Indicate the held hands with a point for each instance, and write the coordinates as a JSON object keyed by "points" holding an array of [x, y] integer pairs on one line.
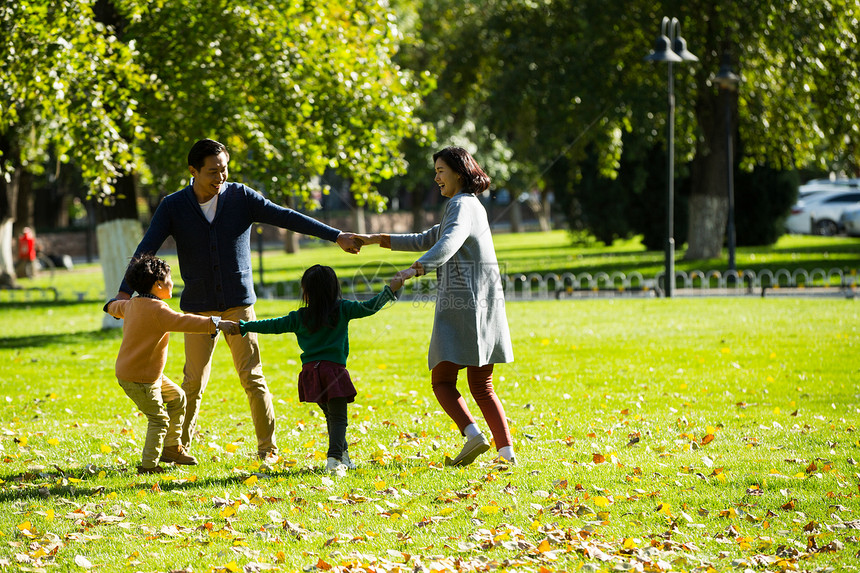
{"points": [[401, 277], [349, 242], [229, 327], [368, 239]]}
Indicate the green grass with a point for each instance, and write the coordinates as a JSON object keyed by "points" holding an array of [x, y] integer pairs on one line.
{"points": [[639, 383], [524, 253]]}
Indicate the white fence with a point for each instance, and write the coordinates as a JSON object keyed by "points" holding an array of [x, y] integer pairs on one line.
{"points": [[535, 286]]}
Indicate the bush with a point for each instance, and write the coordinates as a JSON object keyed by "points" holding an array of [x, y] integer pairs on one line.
{"points": [[763, 199]]}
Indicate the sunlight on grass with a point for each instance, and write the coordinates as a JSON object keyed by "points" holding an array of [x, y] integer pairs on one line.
{"points": [[684, 434]]}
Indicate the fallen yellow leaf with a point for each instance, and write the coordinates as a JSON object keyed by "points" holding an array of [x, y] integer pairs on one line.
{"points": [[601, 501], [227, 511]]}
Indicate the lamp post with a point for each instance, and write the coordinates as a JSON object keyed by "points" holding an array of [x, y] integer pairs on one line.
{"points": [[728, 81], [670, 47]]}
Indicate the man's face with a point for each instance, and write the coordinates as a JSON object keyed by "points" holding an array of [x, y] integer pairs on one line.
{"points": [[210, 177]]}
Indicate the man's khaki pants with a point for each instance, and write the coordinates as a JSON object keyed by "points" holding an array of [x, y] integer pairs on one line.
{"points": [[246, 359]]}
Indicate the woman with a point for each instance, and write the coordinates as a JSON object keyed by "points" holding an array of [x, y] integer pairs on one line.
{"points": [[470, 329]]}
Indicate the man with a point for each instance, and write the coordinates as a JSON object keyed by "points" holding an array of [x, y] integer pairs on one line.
{"points": [[210, 221]]}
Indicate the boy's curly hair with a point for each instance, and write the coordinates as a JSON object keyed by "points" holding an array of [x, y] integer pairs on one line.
{"points": [[144, 270]]}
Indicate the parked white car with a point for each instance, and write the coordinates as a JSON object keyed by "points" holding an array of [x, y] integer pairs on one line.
{"points": [[819, 214], [850, 221]]}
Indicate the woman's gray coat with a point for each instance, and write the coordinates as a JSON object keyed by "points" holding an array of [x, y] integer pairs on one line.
{"points": [[470, 327]]}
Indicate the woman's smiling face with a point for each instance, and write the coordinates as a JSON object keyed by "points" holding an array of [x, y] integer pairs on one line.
{"points": [[449, 182]]}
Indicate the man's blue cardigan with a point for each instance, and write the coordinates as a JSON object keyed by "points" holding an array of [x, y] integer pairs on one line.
{"points": [[215, 258]]}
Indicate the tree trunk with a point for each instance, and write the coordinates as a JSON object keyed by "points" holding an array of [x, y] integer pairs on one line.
{"points": [[117, 241], [291, 239], [418, 208], [25, 208], [117, 235], [8, 208], [709, 195], [7, 262], [545, 212], [516, 215], [291, 242], [359, 220]]}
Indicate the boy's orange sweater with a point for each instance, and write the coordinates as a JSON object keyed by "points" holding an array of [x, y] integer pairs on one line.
{"points": [[143, 352]]}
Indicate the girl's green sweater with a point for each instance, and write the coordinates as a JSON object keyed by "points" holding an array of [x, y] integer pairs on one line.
{"points": [[329, 342]]}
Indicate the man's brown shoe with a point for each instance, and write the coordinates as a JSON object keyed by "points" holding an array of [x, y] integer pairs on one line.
{"points": [[176, 454]]}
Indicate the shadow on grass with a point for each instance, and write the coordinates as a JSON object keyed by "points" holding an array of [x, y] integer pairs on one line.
{"points": [[72, 483], [70, 338]]}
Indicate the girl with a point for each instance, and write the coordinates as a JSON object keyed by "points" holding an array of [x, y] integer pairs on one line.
{"points": [[470, 329], [143, 355], [321, 328]]}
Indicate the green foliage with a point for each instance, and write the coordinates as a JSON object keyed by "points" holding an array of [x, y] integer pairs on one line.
{"points": [[762, 199], [631, 203], [558, 78], [68, 87], [292, 89]]}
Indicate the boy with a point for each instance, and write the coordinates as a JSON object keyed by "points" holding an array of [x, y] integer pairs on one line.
{"points": [[143, 355]]}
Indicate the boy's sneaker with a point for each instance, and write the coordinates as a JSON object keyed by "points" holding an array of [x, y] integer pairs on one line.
{"points": [[176, 454], [346, 461], [335, 466], [152, 470]]}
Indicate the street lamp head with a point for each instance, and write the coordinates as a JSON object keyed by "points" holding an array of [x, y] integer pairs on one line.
{"points": [[726, 79], [662, 51], [680, 48]]}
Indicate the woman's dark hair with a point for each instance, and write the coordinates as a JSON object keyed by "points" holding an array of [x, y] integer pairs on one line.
{"points": [[321, 295], [144, 271], [203, 149], [464, 165]]}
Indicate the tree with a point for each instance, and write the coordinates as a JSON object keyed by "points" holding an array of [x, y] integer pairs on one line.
{"points": [[292, 89], [800, 83], [66, 85], [553, 78]]}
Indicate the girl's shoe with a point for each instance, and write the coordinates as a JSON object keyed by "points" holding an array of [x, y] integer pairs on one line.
{"points": [[335, 466], [471, 450], [346, 461]]}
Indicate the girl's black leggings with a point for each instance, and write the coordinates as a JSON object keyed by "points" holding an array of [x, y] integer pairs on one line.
{"points": [[336, 420]]}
